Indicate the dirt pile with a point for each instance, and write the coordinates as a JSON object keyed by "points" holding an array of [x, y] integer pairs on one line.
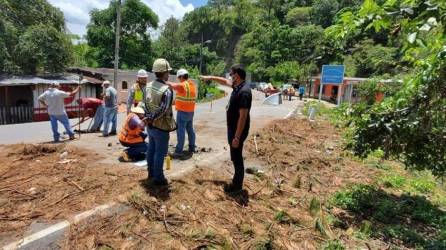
{"points": [[47, 183], [280, 207], [306, 154]]}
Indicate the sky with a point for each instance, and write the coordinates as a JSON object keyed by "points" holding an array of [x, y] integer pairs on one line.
{"points": [[77, 12]]}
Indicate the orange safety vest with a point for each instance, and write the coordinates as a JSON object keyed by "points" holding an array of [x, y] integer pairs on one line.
{"points": [[130, 136], [185, 100]]}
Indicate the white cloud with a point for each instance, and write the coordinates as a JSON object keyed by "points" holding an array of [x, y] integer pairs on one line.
{"points": [[77, 12]]}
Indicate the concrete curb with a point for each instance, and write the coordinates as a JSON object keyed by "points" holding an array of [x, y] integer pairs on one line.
{"points": [[34, 241]]}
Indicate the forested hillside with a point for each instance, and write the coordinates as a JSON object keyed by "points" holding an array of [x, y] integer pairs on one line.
{"points": [[276, 40]]}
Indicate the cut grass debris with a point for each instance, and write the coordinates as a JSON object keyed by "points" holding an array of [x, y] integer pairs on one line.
{"points": [[284, 218]]}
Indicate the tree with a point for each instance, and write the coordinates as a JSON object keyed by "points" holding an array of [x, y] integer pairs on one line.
{"points": [[171, 43], [32, 38], [41, 49], [265, 47], [135, 45], [82, 56], [374, 60], [298, 16], [284, 72], [410, 124], [323, 12]]}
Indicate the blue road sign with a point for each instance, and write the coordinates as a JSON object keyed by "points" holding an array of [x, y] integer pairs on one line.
{"points": [[333, 74]]}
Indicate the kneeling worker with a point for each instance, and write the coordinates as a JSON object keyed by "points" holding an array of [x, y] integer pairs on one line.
{"points": [[133, 137], [186, 95]]}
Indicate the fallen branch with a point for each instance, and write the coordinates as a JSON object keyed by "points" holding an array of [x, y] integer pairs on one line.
{"points": [[61, 199], [255, 143], [19, 192], [264, 185], [141, 236], [77, 185]]}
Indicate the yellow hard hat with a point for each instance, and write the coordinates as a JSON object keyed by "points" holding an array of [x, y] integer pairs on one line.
{"points": [[161, 65]]}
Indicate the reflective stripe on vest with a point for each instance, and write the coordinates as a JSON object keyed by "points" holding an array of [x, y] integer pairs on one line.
{"points": [[130, 136], [185, 101]]}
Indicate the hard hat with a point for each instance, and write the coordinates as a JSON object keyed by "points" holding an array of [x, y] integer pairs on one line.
{"points": [[182, 72], [106, 83], [84, 81], [161, 65], [55, 84], [142, 73], [137, 110]]}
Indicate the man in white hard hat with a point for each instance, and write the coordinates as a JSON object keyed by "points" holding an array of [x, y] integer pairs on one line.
{"points": [[110, 108], [186, 96], [137, 91], [159, 120], [53, 98], [133, 137]]}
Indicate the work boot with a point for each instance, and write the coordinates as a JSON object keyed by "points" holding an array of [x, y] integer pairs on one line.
{"points": [[124, 157], [176, 155], [112, 133], [232, 189], [157, 183]]}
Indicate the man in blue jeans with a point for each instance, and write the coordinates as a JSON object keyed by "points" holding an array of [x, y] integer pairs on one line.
{"points": [[160, 122], [186, 96], [53, 98], [110, 108]]}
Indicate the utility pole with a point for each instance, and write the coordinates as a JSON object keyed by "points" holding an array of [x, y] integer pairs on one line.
{"points": [[201, 53], [117, 37]]}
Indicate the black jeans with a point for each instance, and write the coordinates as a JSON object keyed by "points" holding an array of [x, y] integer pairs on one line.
{"points": [[239, 168]]}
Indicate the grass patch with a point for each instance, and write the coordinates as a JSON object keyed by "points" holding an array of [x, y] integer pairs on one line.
{"points": [[411, 220], [284, 218], [211, 93], [365, 230], [393, 181], [264, 244], [333, 245], [422, 185], [246, 230]]}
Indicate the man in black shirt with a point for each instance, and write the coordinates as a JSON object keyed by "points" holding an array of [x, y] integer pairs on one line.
{"points": [[238, 120]]}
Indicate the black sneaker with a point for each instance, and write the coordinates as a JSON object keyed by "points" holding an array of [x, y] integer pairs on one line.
{"points": [[176, 155], [113, 133], [232, 189]]}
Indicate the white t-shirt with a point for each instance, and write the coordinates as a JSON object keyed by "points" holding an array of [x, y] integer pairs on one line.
{"points": [[54, 99]]}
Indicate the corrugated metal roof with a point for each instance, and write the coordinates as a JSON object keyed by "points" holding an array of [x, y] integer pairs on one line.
{"points": [[34, 80]]}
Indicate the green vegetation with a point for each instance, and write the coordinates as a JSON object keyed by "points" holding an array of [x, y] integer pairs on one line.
{"points": [[411, 219], [32, 38], [334, 245], [135, 45], [409, 124], [284, 218]]}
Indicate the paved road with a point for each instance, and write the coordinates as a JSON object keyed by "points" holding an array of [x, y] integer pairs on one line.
{"points": [[210, 128], [206, 120]]}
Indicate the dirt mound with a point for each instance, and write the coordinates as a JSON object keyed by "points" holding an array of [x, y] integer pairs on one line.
{"points": [[39, 149], [296, 142], [280, 207], [50, 182]]}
